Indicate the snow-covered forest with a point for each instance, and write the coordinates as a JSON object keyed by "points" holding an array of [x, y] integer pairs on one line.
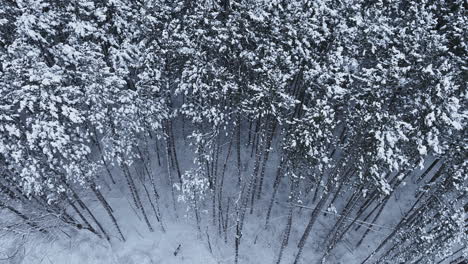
{"points": [[233, 131]]}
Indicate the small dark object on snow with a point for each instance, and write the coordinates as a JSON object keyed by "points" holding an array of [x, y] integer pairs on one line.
{"points": [[177, 250]]}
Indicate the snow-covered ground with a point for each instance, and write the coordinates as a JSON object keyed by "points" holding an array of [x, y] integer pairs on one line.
{"points": [[142, 246], [259, 244]]}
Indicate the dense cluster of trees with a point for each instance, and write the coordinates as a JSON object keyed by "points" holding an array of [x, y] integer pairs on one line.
{"points": [[354, 99]]}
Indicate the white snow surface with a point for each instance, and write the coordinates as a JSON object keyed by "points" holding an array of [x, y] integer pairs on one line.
{"points": [[259, 244]]}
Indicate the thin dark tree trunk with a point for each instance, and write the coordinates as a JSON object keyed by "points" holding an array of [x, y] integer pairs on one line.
{"points": [[221, 184], [214, 173], [287, 231], [197, 214], [169, 175], [226, 220], [84, 207], [286, 235], [382, 206], [238, 149], [335, 234], [89, 226], [107, 208], [265, 157], [26, 219], [433, 164], [155, 208], [256, 137], [253, 181], [402, 222], [316, 191], [137, 201], [150, 176], [315, 213], [279, 174], [341, 184], [173, 149], [103, 159], [156, 144]]}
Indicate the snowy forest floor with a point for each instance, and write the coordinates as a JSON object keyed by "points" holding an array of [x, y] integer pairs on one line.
{"points": [[205, 246], [142, 247]]}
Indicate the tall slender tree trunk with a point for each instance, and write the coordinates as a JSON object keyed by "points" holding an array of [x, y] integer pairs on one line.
{"points": [[136, 196], [84, 207], [156, 144], [335, 234], [169, 175], [253, 181], [286, 235], [287, 231], [174, 151], [265, 157], [83, 218], [315, 213], [26, 219], [239, 164], [279, 174], [107, 208], [221, 184], [101, 153]]}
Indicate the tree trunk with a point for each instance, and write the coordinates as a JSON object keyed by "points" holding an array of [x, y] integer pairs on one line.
{"points": [[279, 174]]}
